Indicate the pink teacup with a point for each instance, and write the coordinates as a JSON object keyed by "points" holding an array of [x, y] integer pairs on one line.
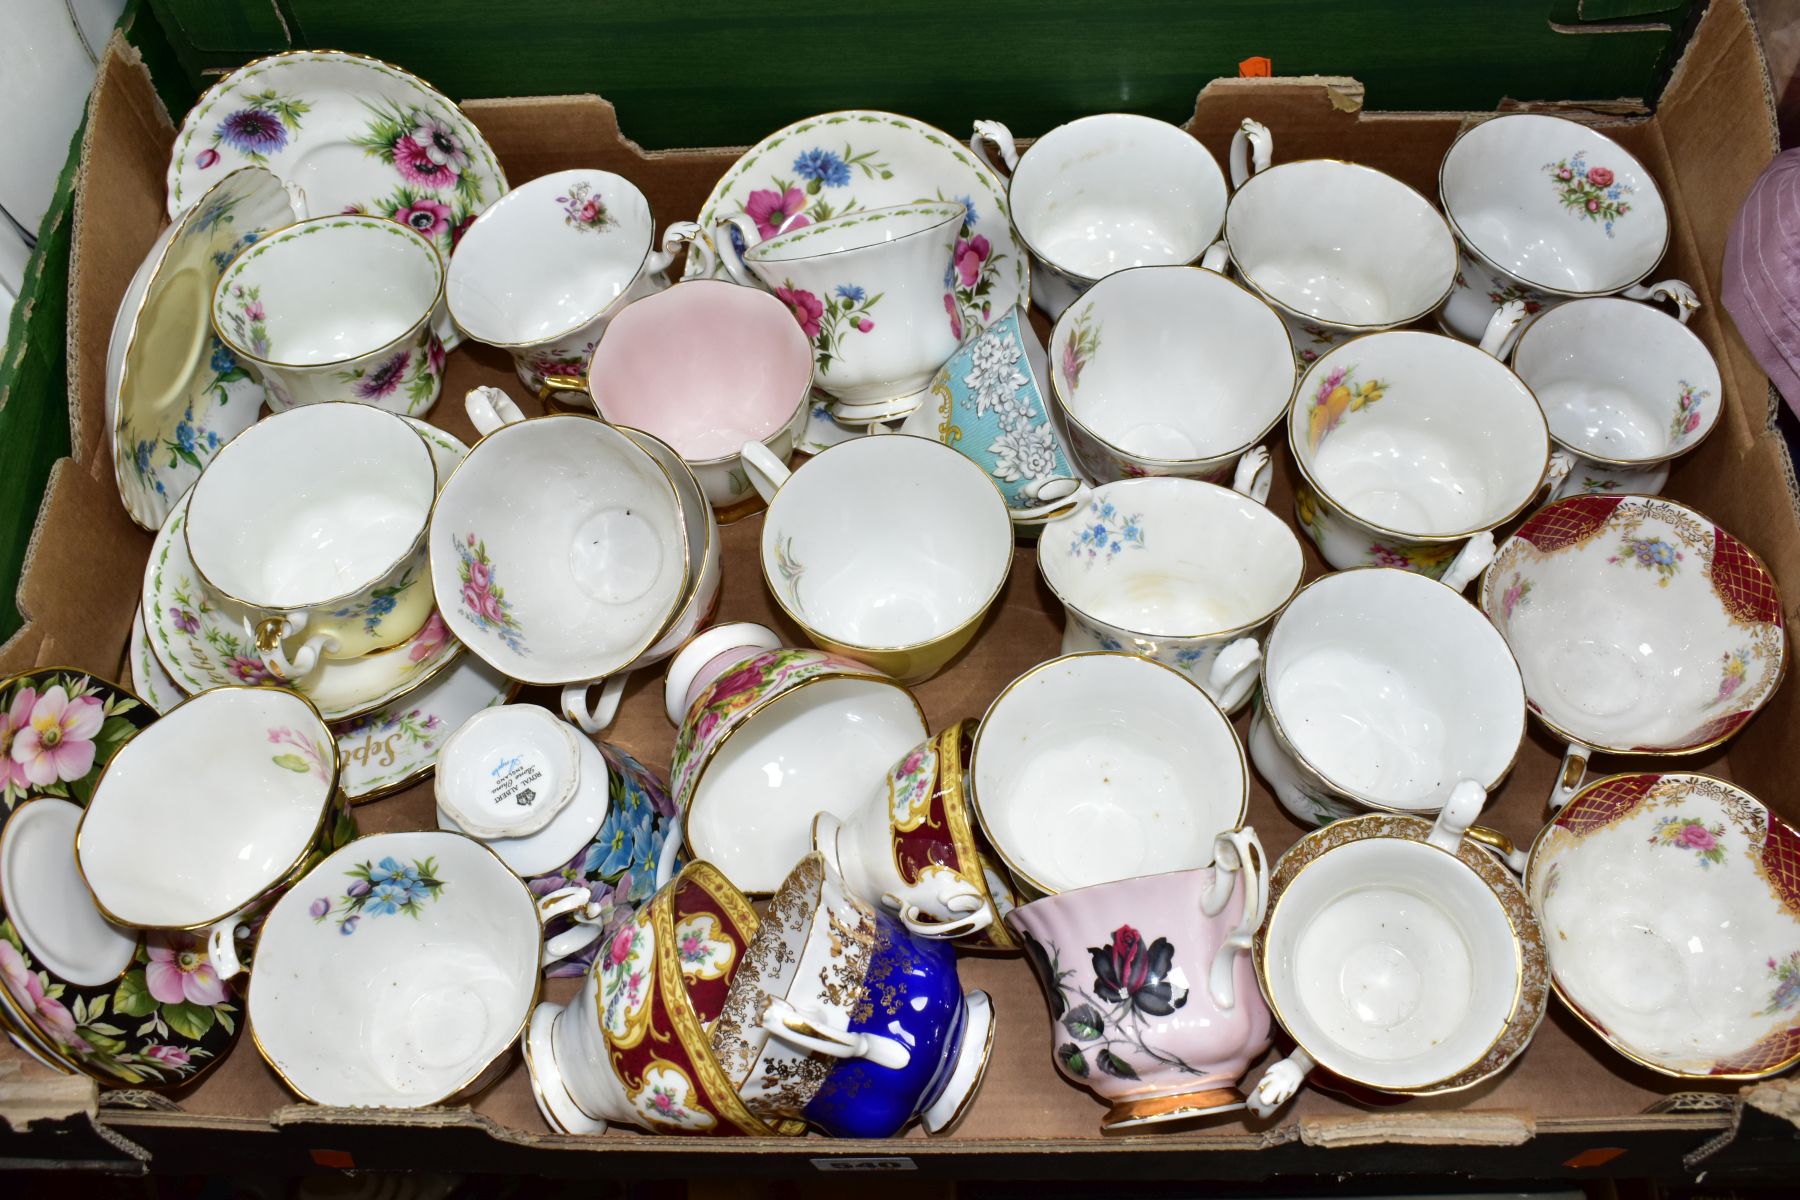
{"points": [[706, 366], [1153, 1001]]}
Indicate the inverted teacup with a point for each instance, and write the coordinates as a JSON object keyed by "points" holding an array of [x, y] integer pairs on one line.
{"points": [[1626, 390], [1180, 571], [313, 523], [1412, 448], [1095, 767], [345, 307], [1384, 690], [888, 550], [868, 289], [544, 268], [1169, 371]]}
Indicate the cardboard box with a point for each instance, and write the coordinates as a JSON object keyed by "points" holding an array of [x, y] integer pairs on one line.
{"points": [[1568, 1106]]}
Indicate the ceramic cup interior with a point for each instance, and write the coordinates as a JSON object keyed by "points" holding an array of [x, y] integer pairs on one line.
{"points": [[1217, 561], [403, 994], [1393, 688], [1391, 962], [310, 505], [1557, 204], [885, 543], [327, 290], [558, 549], [1117, 190], [1620, 381], [706, 367], [1096, 767], [1419, 434], [1342, 243], [204, 811], [872, 227], [47, 902], [548, 257], [1172, 364]]}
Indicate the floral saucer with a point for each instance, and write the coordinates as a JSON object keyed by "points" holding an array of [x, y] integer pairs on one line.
{"points": [[174, 392], [129, 1009], [201, 643], [829, 165], [354, 134]]}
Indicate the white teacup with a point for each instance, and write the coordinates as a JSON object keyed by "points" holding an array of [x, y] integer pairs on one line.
{"points": [[1096, 767], [1112, 191], [1383, 690], [345, 307], [559, 549], [1169, 371], [888, 550], [1412, 448], [1399, 955], [544, 268], [313, 522], [1626, 390], [1546, 210], [868, 289], [1179, 571], [209, 813]]}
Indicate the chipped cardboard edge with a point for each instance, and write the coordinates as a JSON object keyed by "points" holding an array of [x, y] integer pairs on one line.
{"points": [[29, 1093], [1418, 1129]]}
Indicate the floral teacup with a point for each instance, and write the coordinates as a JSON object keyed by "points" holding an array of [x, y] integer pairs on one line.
{"points": [[541, 272], [1162, 1026], [345, 307]]}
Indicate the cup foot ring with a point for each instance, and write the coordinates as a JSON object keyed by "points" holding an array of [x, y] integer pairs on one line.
{"points": [[1152, 1110]]}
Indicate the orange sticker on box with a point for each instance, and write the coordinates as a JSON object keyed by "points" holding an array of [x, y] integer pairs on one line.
{"points": [[1257, 67], [1599, 1156]]}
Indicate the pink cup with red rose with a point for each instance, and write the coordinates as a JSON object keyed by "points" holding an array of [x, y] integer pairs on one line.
{"points": [[868, 290]]}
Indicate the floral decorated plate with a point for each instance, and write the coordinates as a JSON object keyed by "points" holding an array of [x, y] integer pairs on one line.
{"points": [[353, 134], [201, 643], [385, 750], [1671, 911], [148, 678], [174, 392], [129, 1009], [829, 165]]}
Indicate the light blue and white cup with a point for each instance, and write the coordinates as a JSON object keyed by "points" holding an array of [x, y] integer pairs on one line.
{"points": [[991, 404], [1183, 572]]}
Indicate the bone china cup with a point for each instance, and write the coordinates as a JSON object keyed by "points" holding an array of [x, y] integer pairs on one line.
{"points": [[559, 547], [1179, 571], [1640, 627], [706, 367], [1154, 975], [544, 268], [887, 550], [313, 522], [771, 736], [1400, 955], [1096, 767], [1383, 690], [397, 973], [1626, 389], [868, 288], [210, 812], [1112, 191], [1668, 931], [1546, 210], [1412, 447], [343, 307], [1169, 371]]}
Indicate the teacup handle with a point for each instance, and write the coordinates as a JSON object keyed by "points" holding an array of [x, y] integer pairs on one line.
{"points": [[1254, 474], [1683, 297], [1561, 463], [1070, 497], [767, 472], [1497, 337], [1217, 257], [726, 248], [1235, 852], [1568, 779], [1280, 1082], [681, 680], [669, 855], [802, 1029], [1456, 821], [979, 914], [1001, 138], [221, 947], [595, 717], [268, 634], [444, 327], [1469, 562], [1231, 666], [575, 901], [701, 259], [490, 408], [1252, 150]]}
